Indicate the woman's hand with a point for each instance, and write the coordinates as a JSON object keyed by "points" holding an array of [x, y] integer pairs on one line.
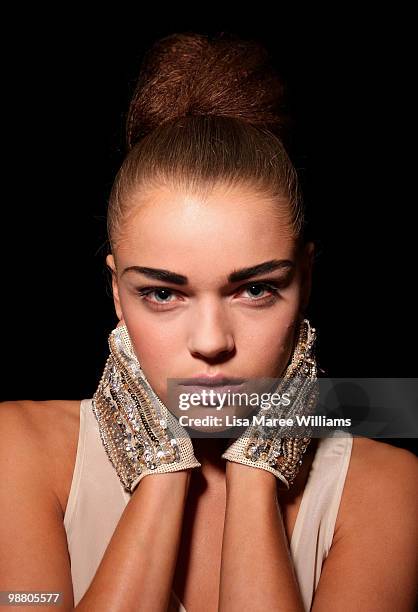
{"points": [[139, 433], [273, 448]]}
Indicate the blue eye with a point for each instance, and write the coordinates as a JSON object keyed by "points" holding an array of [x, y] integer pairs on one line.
{"points": [[259, 287], [161, 292], [256, 288]]}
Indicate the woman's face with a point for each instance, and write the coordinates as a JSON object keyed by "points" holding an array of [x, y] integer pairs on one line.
{"points": [[173, 286]]}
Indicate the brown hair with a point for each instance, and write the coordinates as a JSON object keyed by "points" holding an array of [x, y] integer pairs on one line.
{"points": [[206, 110]]}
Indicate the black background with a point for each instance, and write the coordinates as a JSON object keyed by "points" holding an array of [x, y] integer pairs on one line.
{"points": [[67, 80]]}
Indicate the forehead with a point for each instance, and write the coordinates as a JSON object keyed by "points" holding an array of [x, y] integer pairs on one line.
{"points": [[229, 228]]}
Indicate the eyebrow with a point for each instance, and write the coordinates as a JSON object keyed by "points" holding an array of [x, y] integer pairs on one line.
{"points": [[233, 277]]}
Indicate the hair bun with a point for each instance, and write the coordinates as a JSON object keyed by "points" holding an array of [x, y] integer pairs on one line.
{"points": [[194, 74]]}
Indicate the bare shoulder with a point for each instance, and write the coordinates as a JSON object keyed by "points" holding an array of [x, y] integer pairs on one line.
{"points": [[39, 441], [372, 560], [50, 430], [34, 412], [378, 474], [380, 460]]}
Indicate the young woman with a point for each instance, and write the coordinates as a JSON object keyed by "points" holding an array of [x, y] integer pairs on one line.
{"points": [[112, 503]]}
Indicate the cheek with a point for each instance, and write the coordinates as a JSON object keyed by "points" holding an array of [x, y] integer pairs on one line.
{"points": [[269, 349], [285, 350], [156, 351]]}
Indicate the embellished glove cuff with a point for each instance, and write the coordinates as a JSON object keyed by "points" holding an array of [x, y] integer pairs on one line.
{"points": [[262, 446], [283, 460], [138, 432]]}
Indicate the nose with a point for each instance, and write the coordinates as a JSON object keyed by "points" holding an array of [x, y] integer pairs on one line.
{"points": [[210, 336]]}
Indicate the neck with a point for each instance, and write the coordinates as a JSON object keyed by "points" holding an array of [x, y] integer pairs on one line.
{"points": [[208, 452]]}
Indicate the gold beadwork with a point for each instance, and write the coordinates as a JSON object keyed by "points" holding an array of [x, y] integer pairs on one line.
{"points": [[130, 417], [265, 449]]}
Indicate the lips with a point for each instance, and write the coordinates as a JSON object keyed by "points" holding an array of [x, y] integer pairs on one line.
{"points": [[210, 381], [220, 389]]}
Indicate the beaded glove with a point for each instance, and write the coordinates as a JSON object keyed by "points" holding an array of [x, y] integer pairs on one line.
{"points": [[264, 446], [138, 432]]}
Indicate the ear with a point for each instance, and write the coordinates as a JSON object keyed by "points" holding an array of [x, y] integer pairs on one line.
{"points": [[110, 262], [307, 266]]}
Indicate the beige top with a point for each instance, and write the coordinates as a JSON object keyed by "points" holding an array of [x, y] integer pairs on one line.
{"points": [[97, 500]]}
